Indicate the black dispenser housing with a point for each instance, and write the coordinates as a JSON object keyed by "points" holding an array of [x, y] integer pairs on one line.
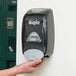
{"points": [[38, 33]]}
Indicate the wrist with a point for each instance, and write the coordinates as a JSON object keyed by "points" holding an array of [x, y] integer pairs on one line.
{"points": [[12, 72], [7, 72]]}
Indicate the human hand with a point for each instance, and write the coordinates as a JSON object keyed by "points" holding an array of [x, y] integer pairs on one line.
{"points": [[27, 67]]}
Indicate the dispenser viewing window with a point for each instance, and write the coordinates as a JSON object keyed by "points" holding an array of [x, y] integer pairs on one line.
{"points": [[38, 33]]}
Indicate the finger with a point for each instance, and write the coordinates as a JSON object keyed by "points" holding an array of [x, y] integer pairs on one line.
{"points": [[35, 67], [35, 62]]}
